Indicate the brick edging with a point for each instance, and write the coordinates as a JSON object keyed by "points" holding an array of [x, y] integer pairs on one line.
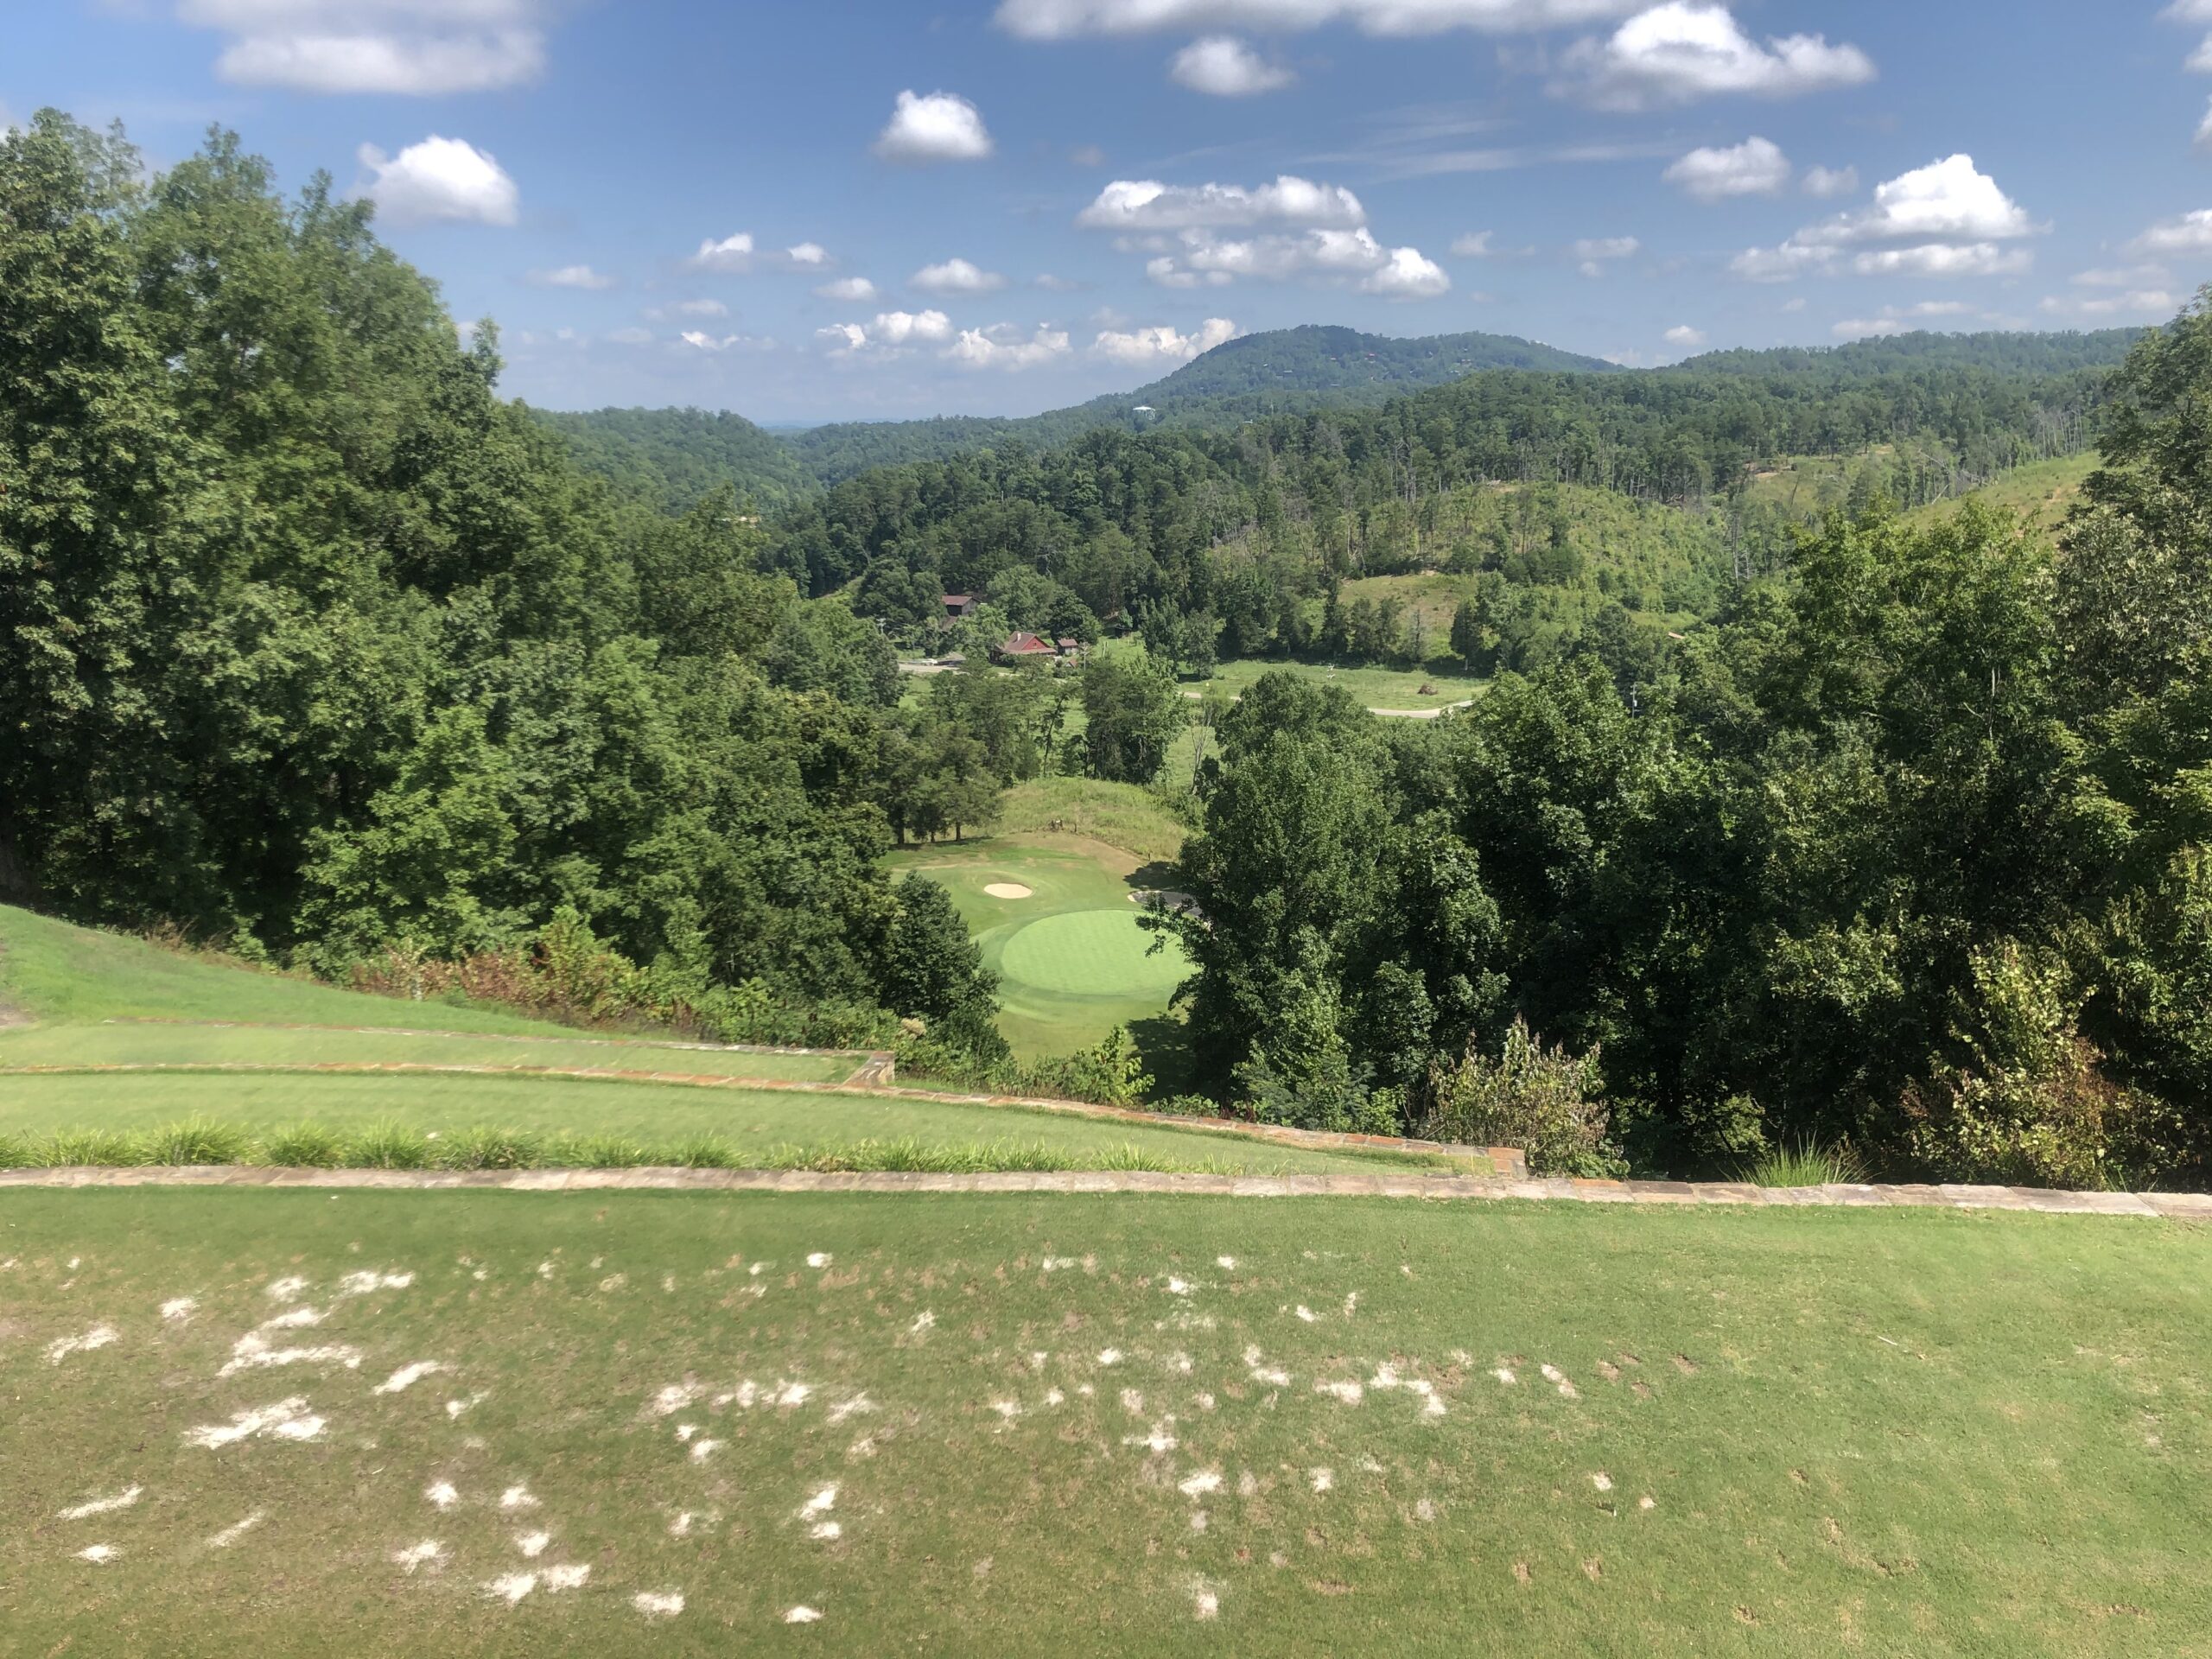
{"points": [[2148, 1205]]}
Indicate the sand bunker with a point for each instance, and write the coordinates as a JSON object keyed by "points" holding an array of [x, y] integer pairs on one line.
{"points": [[1009, 890]]}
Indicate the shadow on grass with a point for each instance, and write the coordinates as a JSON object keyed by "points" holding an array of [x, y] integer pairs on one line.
{"points": [[1164, 1044]]}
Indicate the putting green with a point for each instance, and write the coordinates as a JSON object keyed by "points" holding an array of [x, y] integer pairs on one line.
{"points": [[1093, 953]]}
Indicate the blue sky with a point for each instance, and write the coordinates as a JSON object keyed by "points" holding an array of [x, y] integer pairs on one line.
{"points": [[866, 209]]}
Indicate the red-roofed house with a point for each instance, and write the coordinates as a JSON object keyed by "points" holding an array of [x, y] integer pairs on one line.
{"points": [[1024, 648]]}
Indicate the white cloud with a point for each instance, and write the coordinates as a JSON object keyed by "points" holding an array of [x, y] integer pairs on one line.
{"points": [[731, 255], [1224, 66], [1686, 336], [1201, 259], [1683, 50], [852, 290], [1148, 205], [1409, 274], [736, 254], [1945, 219], [1475, 245], [1949, 200], [1755, 168], [407, 47], [441, 179], [1150, 348], [1784, 265], [891, 334], [942, 127], [1002, 346], [2147, 276], [2190, 233], [1831, 182], [631, 337], [1897, 319], [702, 342], [2150, 304], [1054, 19], [1944, 260], [1596, 252], [957, 277], [699, 309], [905, 327], [1052, 284], [581, 276]]}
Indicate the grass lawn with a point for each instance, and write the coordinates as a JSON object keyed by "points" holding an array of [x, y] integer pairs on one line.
{"points": [[64, 975], [1072, 961], [275, 1046], [1095, 1427], [1375, 688], [755, 1122]]}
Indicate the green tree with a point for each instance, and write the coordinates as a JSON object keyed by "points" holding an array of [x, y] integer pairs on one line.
{"points": [[934, 971], [1134, 713]]}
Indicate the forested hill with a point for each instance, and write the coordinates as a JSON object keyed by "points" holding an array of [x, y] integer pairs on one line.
{"points": [[1284, 371], [1997, 353], [674, 458]]}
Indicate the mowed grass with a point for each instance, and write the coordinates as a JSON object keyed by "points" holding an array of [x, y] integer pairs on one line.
{"points": [[172, 1045], [1374, 688], [62, 975], [1097, 1426], [72, 980], [758, 1122], [1073, 963]]}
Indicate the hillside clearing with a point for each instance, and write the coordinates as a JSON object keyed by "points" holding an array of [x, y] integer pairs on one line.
{"points": [[615, 1424]]}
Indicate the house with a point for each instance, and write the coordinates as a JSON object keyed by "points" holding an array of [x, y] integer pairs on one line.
{"points": [[1070, 647], [1024, 648], [958, 605]]}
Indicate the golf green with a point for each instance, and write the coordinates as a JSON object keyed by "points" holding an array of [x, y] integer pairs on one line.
{"points": [[1071, 960], [1093, 953]]}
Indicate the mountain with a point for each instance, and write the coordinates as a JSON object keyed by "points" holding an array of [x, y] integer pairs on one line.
{"points": [[1281, 371], [675, 457]]}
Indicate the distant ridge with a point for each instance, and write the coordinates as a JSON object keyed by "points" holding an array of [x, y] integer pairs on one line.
{"points": [[1279, 371], [679, 455]]}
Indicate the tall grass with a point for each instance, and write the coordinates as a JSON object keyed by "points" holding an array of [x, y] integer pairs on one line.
{"points": [[1807, 1163]]}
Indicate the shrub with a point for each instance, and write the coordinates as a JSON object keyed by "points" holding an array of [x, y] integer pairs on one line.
{"points": [[1535, 1098], [1185, 1106], [2030, 1104]]}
